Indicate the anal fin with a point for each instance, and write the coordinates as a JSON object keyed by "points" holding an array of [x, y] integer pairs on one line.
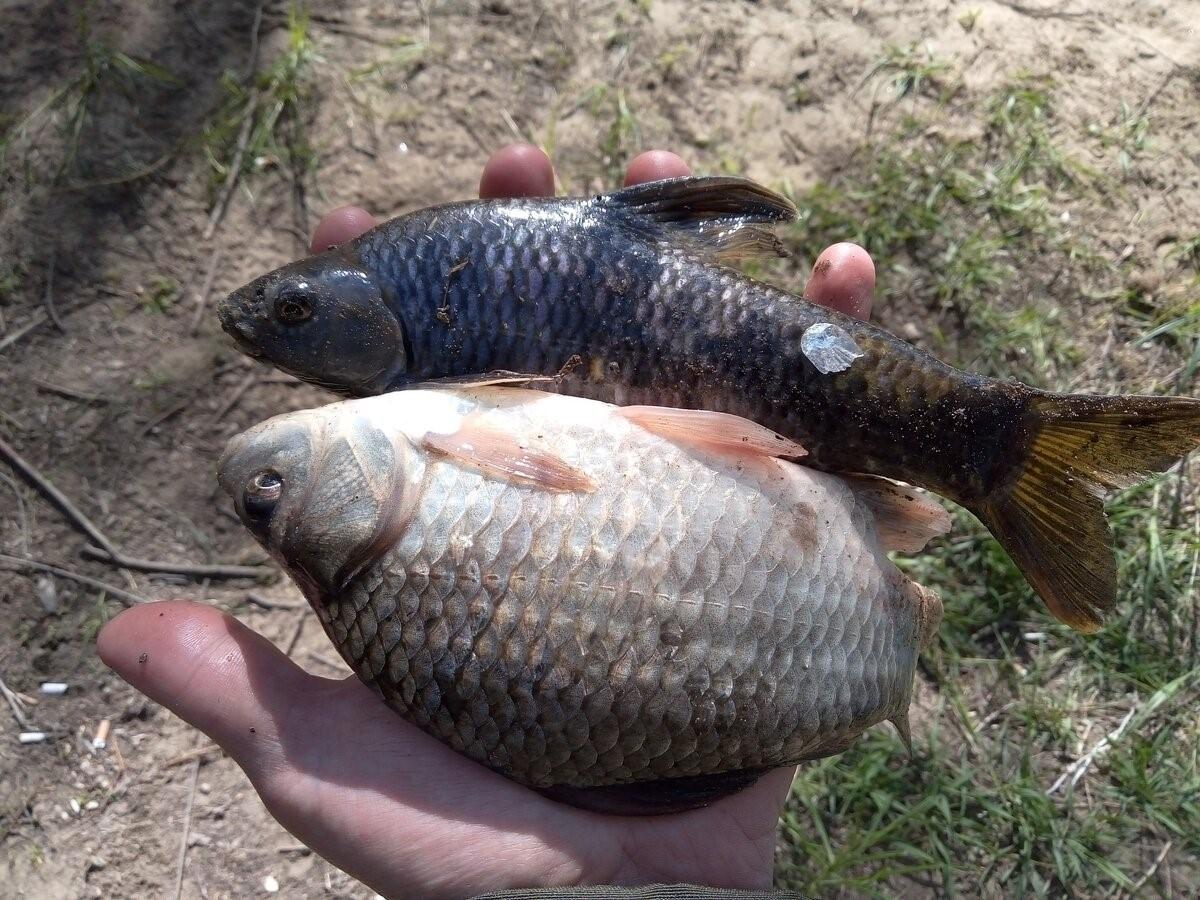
{"points": [[656, 798], [906, 519], [713, 431]]}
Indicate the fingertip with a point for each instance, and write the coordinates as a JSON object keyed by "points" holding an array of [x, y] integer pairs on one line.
{"points": [[843, 277], [206, 667], [340, 225], [518, 170], [655, 165]]}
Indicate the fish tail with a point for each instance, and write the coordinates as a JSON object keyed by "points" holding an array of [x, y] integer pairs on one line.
{"points": [[1050, 518]]}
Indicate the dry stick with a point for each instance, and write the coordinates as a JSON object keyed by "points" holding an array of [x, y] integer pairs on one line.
{"points": [[48, 296], [235, 166], [42, 483], [234, 396], [38, 566], [189, 755], [38, 317], [205, 290], [1162, 854], [69, 392], [267, 603], [187, 826], [300, 620], [194, 570], [107, 551], [14, 703]]}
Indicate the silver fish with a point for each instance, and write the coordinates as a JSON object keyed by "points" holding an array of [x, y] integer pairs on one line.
{"points": [[635, 609]]}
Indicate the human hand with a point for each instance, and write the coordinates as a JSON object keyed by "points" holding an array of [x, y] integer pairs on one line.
{"points": [[376, 796]]}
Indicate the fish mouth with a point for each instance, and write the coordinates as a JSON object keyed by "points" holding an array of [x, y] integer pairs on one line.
{"points": [[238, 327]]}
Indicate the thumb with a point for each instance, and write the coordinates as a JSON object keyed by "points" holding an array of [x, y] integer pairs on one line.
{"points": [[210, 670]]}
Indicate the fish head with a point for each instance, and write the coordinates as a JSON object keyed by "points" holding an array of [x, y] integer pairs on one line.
{"points": [[323, 319], [326, 492]]}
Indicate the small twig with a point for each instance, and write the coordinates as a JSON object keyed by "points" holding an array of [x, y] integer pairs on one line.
{"points": [[267, 603], [48, 296], [192, 570], [205, 289], [234, 396], [1079, 767], [69, 392], [13, 421], [38, 566], [1146, 876], [187, 826], [325, 660], [194, 753], [300, 620], [235, 166], [1034, 12], [38, 317], [252, 61], [43, 484], [15, 704]]}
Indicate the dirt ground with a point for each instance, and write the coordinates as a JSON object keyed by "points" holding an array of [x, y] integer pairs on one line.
{"points": [[126, 405]]}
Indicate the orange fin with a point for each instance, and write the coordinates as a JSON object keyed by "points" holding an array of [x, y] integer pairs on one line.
{"points": [[494, 451], [717, 431], [498, 378], [906, 519]]}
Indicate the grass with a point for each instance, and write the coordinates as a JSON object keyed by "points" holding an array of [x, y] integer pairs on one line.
{"points": [[966, 229], [101, 67], [261, 123], [955, 220]]}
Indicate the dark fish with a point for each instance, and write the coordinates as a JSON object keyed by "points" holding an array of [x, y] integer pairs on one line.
{"points": [[633, 609], [625, 298]]}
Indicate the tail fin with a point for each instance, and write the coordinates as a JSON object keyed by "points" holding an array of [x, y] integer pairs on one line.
{"points": [[1051, 520]]}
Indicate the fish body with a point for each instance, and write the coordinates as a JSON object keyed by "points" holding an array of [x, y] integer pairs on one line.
{"points": [[627, 298], [578, 602]]}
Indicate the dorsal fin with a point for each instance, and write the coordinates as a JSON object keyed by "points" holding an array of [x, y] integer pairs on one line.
{"points": [[906, 519], [719, 217]]}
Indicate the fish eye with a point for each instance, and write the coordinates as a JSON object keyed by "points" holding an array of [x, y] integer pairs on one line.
{"points": [[292, 306], [262, 494]]}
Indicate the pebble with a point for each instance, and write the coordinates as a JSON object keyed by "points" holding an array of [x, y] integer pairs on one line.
{"points": [[910, 332], [271, 884], [75, 807], [205, 787], [91, 804], [53, 688]]}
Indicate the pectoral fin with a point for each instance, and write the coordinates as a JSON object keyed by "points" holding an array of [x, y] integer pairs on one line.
{"points": [[502, 454], [905, 519], [712, 431]]}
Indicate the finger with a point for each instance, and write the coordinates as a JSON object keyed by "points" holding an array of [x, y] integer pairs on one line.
{"points": [[210, 670], [343, 224], [843, 277], [518, 170], [655, 165]]}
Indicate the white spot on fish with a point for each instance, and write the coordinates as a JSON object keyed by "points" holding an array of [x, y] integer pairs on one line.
{"points": [[829, 347]]}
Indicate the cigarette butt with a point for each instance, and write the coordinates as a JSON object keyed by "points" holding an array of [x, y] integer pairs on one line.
{"points": [[100, 741], [32, 737], [53, 687]]}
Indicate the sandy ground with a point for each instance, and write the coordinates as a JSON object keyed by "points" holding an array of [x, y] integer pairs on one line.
{"points": [[126, 406]]}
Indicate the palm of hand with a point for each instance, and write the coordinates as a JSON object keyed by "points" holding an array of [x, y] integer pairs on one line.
{"points": [[392, 806]]}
